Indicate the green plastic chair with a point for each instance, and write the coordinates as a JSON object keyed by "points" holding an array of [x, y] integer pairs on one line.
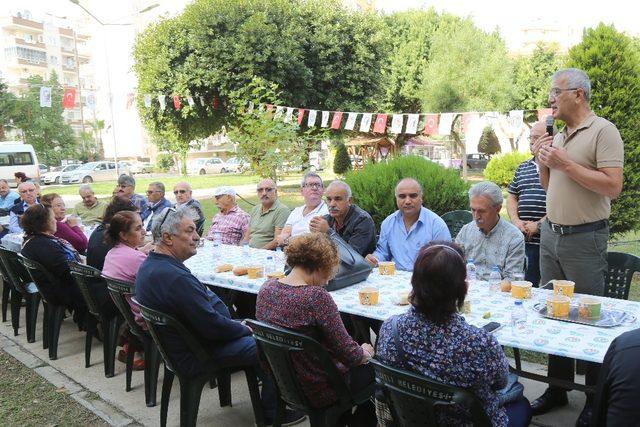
{"points": [[455, 220], [191, 388], [278, 345], [617, 282], [413, 398]]}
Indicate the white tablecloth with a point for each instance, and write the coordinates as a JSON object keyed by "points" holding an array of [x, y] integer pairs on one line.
{"points": [[13, 241], [542, 335]]}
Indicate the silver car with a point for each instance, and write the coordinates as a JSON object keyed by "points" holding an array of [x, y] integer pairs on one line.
{"points": [[90, 172], [53, 177]]}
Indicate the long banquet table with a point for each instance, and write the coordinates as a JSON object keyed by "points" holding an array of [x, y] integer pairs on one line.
{"points": [[542, 335]]}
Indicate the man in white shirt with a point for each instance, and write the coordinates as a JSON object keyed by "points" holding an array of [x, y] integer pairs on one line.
{"points": [[312, 190]]}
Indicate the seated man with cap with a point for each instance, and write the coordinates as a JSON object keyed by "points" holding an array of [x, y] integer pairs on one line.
{"points": [[231, 223]]}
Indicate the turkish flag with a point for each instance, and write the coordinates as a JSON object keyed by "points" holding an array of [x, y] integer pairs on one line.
{"points": [[337, 119], [380, 126], [543, 113], [215, 102], [176, 102], [300, 115], [431, 124], [69, 98]]}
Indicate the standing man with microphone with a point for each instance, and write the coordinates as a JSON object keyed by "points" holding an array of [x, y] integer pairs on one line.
{"points": [[581, 170]]}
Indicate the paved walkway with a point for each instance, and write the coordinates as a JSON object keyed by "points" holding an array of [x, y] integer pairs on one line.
{"points": [[107, 398]]}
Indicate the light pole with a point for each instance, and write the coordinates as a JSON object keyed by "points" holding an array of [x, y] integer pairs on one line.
{"points": [[106, 56]]}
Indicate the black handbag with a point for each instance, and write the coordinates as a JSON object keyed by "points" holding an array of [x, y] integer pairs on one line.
{"points": [[353, 267]]}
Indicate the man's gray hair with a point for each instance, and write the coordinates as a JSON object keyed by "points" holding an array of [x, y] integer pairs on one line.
{"points": [[309, 175], [576, 79], [126, 180], [85, 187], [158, 185], [487, 189], [4, 180], [168, 221], [341, 184]]}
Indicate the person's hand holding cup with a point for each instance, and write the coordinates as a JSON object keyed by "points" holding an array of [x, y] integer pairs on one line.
{"points": [[72, 220], [318, 225]]}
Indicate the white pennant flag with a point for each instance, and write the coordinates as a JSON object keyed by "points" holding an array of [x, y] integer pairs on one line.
{"points": [[45, 96], [147, 100], [365, 123], [516, 117], [289, 115], [311, 120], [412, 123], [190, 101], [250, 109], [202, 101], [351, 121], [278, 113], [444, 127], [90, 100], [396, 123], [325, 119], [162, 101]]}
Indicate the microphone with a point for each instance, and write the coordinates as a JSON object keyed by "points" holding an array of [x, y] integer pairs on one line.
{"points": [[550, 125]]}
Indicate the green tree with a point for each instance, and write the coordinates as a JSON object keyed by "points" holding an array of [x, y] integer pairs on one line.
{"points": [[468, 70], [531, 77], [613, 64], [489, 143], [8, 108], [44, 127], [342, 162]]}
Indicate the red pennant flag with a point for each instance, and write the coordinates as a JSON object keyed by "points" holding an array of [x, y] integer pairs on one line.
{"points": [[176, 102], [69, 98], [543, 113], [467, 119], [269, 108], [431, 124], [380, 126], [337, 119], [215, 102], [300, 115]]}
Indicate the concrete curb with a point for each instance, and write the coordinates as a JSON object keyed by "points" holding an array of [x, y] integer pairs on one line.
{"points": [[108, 413]]}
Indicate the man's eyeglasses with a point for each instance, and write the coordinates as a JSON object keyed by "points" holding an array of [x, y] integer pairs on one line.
{"points": [[169, 211], [179, 191], [555, 91], [124, 185], [152, 191], [265, 190], [314, 185]]}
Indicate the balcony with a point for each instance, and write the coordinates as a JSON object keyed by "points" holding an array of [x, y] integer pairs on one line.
{"points": [[34, 45], [66, 32], [21, 22]]}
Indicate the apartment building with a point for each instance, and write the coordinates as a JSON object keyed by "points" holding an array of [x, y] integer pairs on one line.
{"points": [[37, 47]]}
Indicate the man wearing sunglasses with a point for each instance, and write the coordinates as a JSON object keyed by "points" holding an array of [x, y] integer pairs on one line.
{"points": [[267, 218], [157, 202], [126, 187], [184, 197]]}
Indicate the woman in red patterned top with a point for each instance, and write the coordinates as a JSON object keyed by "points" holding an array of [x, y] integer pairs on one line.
{"points": [[300, 302]]}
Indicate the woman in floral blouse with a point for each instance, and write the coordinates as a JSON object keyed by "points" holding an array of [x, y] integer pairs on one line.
{"points": [[438, 343], [300, 302]]}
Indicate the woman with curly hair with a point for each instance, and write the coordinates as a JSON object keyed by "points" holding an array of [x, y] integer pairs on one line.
{"points": [[300, 302]]}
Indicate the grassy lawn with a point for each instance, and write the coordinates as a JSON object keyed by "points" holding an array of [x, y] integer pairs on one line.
{"points": [[27, 399]]}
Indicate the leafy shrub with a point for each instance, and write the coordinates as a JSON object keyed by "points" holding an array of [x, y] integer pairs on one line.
{"points": [[374, 186], [164, 162], [342, 162], [489, 143], [501, 168]]}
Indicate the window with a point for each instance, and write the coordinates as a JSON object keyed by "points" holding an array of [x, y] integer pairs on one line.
{"points": [[53, 60], [29, 55], [5, 160], [101, 167], [22, 159], [112, 165]]}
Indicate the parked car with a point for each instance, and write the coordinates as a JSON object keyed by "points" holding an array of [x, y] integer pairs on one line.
{"points": [[43, 168], [140, 167], [91, 172], [235, 164], [477, 161], [207, 166], [53, 177]]}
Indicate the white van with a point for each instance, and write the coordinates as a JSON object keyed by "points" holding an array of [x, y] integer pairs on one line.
{"points": [[18, 157]]}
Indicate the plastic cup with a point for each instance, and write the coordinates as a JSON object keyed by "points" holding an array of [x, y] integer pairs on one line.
{"points": [[521, 289], [590, 308], [402, 298], [387, 268], [255, 271], [563, 287], [558, 305], [368, 296]]}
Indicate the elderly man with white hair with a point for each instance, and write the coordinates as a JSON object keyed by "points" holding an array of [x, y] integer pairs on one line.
{"points": [[490, 240], [90, 209], [184, 197], [28, 197], [231, 223]]}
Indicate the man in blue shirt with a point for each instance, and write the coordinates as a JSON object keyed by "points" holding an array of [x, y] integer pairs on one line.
{"points": [[164, 283], [7, 197], [408, 229], [28, 193], [156, 203], [126, 188]]}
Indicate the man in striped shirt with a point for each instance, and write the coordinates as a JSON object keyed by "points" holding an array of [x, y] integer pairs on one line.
{"points": [[527, 206]]}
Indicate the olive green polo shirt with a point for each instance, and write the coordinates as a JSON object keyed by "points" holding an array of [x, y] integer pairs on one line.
{"points": [[595, 144], [92, 215], [262, 225]]}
